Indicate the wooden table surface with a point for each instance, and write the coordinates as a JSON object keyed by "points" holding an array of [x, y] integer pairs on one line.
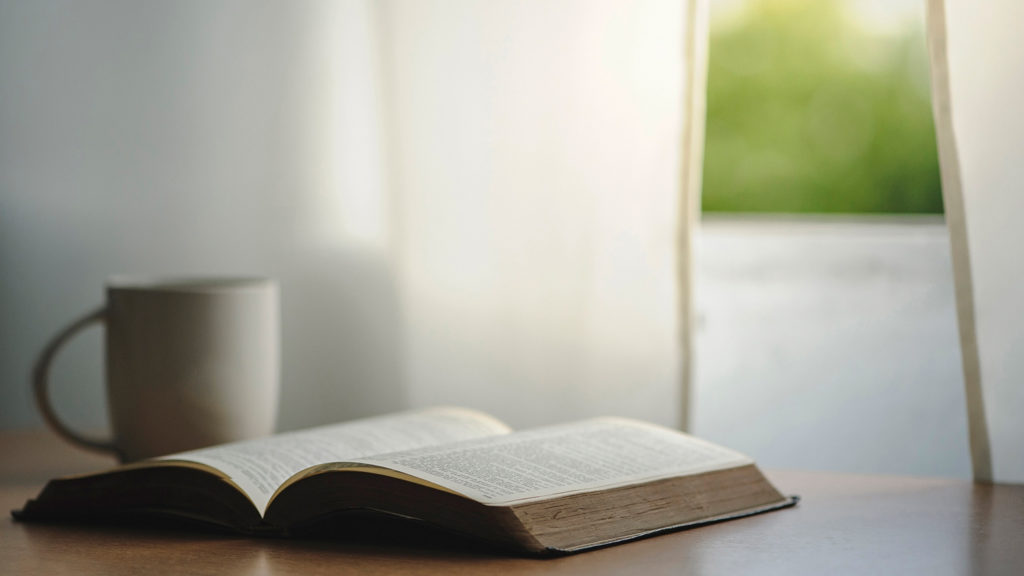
{"points": [[845, 524]]}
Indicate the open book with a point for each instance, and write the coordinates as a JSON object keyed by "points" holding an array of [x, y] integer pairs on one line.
{"points": [[560, 488]]}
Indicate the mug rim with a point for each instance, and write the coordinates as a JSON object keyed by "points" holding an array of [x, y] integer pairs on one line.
{"points": [[186, 283]]}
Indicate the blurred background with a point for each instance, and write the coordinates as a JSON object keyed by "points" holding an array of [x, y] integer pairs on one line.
{"points": [[475, 203], [469, 203], [821, 107]]}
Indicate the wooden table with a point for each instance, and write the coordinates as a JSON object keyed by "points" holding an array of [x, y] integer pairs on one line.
{"points": [[845, 524]]}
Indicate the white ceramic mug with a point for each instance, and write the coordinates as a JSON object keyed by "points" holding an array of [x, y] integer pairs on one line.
{"points": [[190, 363]]}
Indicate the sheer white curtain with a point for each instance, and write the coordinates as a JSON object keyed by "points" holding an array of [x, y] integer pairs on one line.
{"points": [[537, 162], [978, 83], [469, 202]]}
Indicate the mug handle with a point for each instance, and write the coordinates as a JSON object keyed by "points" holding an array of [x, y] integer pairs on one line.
{"points": [[41, 380]]}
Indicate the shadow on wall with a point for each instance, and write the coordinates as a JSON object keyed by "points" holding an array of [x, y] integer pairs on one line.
{"points": [[340, 338], [189, 138]]}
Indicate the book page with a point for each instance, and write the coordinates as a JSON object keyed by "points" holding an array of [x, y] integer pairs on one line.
{"points": [[558, 460], [258, 467]]}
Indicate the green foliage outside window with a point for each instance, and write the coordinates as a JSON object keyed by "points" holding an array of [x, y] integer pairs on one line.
{"points": [[810, 111]]}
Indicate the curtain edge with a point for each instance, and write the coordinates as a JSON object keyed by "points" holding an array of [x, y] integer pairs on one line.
{"points": [[692, 164], [953, 199]]}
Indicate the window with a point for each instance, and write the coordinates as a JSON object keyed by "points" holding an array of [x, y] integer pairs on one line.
{"points": [[819, 106], [825, 340]]}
